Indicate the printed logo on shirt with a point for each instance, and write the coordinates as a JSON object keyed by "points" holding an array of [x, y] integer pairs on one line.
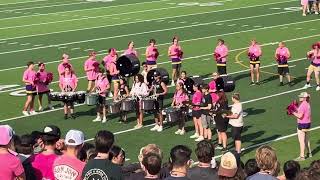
{"points": [[65, 172], [96, 174]]}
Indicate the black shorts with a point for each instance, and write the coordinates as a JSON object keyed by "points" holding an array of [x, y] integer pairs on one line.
{"points": [[221, 124], [283, 70], [222, 69], [69, 104], [151, 63], [304, 126], [158, 104], [236, 133], [101, 100], [176, 66], [255, 64], [196, 113], [45, 92]]}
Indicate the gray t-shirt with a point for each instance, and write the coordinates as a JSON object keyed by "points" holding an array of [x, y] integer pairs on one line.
{"points": [[200, 173], [260, 176]]}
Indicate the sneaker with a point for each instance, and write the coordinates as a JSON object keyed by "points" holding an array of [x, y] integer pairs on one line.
{"points": [[318, 88], [219, 146], [316, 12], [139, 126], [258, 83], [110, 94], [281, 84], [182, 132], [307, 86], [200, 138], [300, 158], [304, 14], [73, 116], [98, 119], [156, 127], [309, 155], [178, 132], [50, 107], [252, 84], [33, 113], [25, 113], [160, 128], [196, 135], [40, 109], [104, 120]]}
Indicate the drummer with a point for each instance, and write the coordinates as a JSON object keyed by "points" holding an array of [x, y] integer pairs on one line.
{"points": [[102, 87], [220, 55], [180, 97], [160, 90], [175, 54], [68, 82], [152, 54], [42, 85], [212, 84], [131, 49], [183, 77], [63, 64], [112, 55], [139, 90], [28, 78], [123, 93], [144, 72], [91, 67], [114, 73]]}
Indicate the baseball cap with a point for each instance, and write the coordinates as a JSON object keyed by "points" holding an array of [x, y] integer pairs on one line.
{"points": [[6, 134], [229, 164], [303, 95], [51, 130], [74, 138], [156, 74]]}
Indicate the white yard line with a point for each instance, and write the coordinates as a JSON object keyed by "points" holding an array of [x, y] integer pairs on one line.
{"points": [[5, 4]]}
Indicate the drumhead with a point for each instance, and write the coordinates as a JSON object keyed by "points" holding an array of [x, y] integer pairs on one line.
{"points": [[163, 73], [128, 65]]}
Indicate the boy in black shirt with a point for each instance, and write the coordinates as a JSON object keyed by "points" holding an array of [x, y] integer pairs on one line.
{"points": [[206, 106]]}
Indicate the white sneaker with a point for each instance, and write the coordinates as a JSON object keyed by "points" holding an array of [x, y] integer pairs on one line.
{"points": [[316, 12], [160, 128], [182, 132], [110, 94], [304, 15], [196, 135], [307, 86], [178, 132], [98, 119], [104, 120], [40, 108], [50, 107], [155, 128], [318, 88], [33, 113], [200, 138], [25, 113]]}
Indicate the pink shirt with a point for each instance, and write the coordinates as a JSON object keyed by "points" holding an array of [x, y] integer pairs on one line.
{"points": [[304, 109], [222, 50], [41, 84], [255, 49], [316, 57], [10, 166], [107, 60], [196, 100], [67, 168], [180, 97], [214, 97], [180, 81], [92, 67], [304, 2], [101, 85], [282, 52], [61, 67], [212, 85], [70, 80], [131, 51], [173, 49], [29, 75], [113, 69], [43, 165], [152, 53]]}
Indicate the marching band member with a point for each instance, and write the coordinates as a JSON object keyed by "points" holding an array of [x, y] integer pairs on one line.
{"points": [[212, 84], [303, 115], [123, 93], [196, 113], [282, 55], [206, 118], [112, 55], [114, 73], [152, 54], [254, 54], [131, 49], [183, 77], [180, 97], [314, 56], [220, 55], [139, 90], [304, 4], [102, 86], [65, 62], [28, 78], [44, 78], [175, 53], [160, 89], [68, 82], [91, 67], [144, 72]]}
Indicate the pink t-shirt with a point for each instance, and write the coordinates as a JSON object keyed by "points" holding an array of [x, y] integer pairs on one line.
{"points": [[67, 81], [67, 168], [107, 60], [316, 58], [29, 75], [304, 2], [113, 69], [304, 109], [196, 100], [92, 68], [214, 97], [101, 85], [212, 85], [174, 50], [10, 166], [222, 50], [255, 49], [282, 51], [152, 53], [43, 165], [180, 97], [41, 85], [131, 51], [61, 67]]}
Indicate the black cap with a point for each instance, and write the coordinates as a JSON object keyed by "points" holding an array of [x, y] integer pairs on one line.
{"points": [[156, 74], [27, 140], [51, 130]]}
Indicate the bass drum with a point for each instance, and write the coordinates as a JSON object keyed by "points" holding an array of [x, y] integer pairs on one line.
{"points": [[163, 72], [190, 81], [225, 83], [128, 65]]}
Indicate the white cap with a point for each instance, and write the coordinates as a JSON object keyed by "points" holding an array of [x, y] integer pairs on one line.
{"points": [[74, 138], [304, 95]]}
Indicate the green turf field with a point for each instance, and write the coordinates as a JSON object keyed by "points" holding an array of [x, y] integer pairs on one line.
{"points": [[44, 29]]}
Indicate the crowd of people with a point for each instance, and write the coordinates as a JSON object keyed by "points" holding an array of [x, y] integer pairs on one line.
{"points": [[46, 155]]}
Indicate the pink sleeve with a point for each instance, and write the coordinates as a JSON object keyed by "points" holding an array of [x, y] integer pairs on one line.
{"points": [[86, 65], [225, 51], [18, 168], [212, 85]]}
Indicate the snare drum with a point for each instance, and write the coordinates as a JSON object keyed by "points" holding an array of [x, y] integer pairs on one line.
{"points": [[91, 99], [147, 104], [70, 96], [61, 96], [114, 107], [128, 104], [81, 97], [53, 96], [173, 114]]}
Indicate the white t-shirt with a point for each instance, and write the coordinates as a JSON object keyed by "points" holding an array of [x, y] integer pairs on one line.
{"points": [[237, 109]]}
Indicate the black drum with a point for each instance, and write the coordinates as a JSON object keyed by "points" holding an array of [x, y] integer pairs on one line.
{"points": [[81, 97], [114, 107], [53, 96], [147, 104], [70, 96], [128, 104], [61, 96], [190, 81], [163, 72], [225, 83], [128, 65], [173, 114]]}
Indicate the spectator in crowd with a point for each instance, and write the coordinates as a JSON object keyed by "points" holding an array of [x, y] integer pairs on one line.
{"points": [[308, 174], [291, 170], [101, 167], [10, 165], [42, 163], [267, 162], [117, 155], [68, 166], [315, 165], [251, 167], [86, 151], [203, 171], [180, 160], [230, 167], [151, 165]]}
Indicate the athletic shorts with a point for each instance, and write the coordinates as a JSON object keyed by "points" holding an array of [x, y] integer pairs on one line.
{"points": [[221, 124], [115, 79], [30, 90], [236, 133], [176, 66], [69, 104], [158, 104], [206, 121], [283, 70], [101, 100], [196, 113], [222, 69], [151, 62], [254, 64], [313, 68], [304, 126]]}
